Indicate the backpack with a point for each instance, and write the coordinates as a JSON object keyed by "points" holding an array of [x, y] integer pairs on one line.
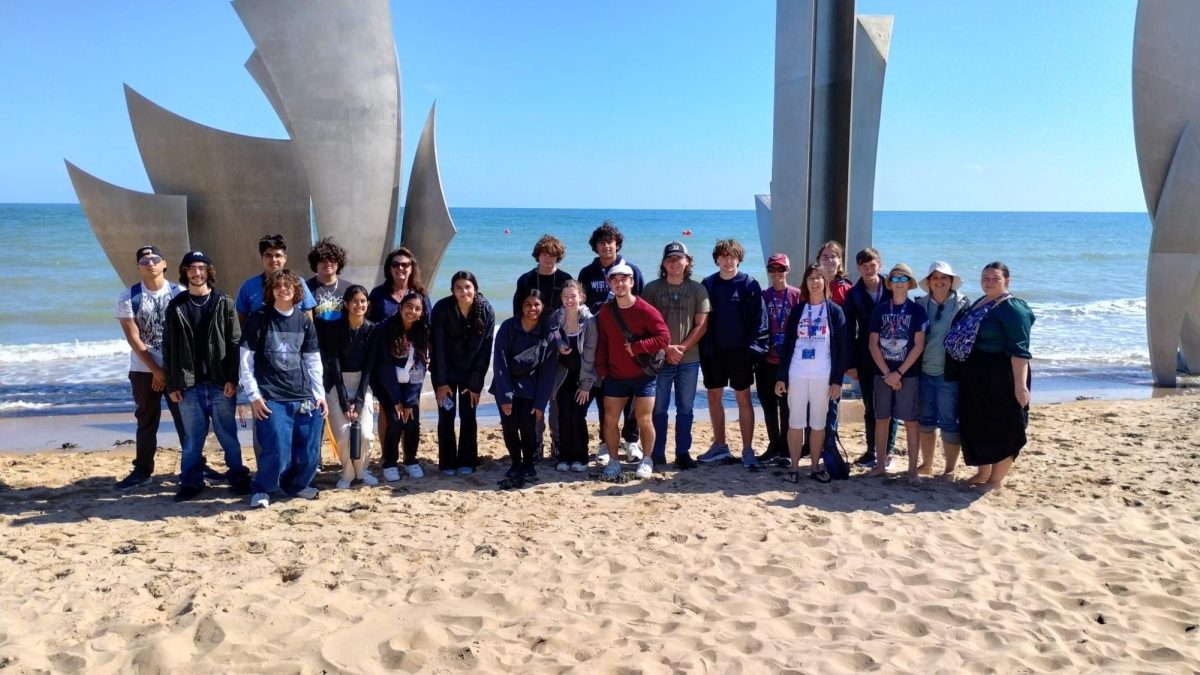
{"points": [[135, 295], [650, 364], [836, 466]]}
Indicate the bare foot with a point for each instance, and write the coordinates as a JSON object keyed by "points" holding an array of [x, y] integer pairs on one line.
{"points": [[990, 487], [876, 472], [977, 479], [925, 469], [946, 478]]}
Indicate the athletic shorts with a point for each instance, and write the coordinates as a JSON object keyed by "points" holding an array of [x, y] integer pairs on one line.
{"points": [[730, 368], [638, 387], [903, 405]]}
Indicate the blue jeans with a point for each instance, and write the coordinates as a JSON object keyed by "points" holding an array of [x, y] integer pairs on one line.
{"points": [[202, 403], [939, 407], [291, 447], [683, 377]]}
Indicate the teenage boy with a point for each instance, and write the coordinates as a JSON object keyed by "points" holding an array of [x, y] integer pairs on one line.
{"points": [[734, 343], [778, 300], [897, 338], [606, 241], [617, 363], [273, 250], [860, 305], [327, 259], [548, 279], [141, 311], [200, 359], [683, 303]]}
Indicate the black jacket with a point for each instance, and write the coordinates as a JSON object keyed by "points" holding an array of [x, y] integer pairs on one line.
{"points": [[336, 348], [858, 309], [461, 352], [222, 338], [837, 341]]}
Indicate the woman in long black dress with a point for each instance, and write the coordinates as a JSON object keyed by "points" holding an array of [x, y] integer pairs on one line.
{"points": [[993, 392]]}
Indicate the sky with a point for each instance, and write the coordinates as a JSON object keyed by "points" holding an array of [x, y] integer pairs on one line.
{"points": [[988, 105]]}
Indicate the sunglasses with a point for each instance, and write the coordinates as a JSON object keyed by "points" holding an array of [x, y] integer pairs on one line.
{"points": [[148, 260], [776, 270], [937, 316], [899, 278], [396, 265]]}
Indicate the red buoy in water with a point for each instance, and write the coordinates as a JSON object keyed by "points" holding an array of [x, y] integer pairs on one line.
{"points": [[507, 231]]}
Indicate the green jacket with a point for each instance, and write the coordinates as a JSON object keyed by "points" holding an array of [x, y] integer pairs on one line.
{"points": [[222, 344]]}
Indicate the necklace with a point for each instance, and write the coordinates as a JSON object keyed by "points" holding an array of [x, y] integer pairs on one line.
{"points": [[202, 303]]}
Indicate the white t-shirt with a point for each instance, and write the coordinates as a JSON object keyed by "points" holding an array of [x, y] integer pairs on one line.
{"points": [[150, 322], [811, 359]]}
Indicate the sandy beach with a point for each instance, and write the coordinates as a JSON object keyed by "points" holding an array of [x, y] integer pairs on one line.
{"points": [[1088, 561]]}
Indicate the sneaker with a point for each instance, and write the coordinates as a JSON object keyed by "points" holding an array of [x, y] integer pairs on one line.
{"points": [[449, 472], [369, 479], [343, 484], [465, 470], [645, 469], [529, 472], [867, 459], [715, 453], [135, 479], [391, 474], [770, 456], [414, 471], [514, 471], [242, 485], [579, 467], [685, 462], [563, 467], [187, 492], [748, 458], [309, 492], [633, 451], [260, 499], [612, 470], [888, 466], [602, 456]]}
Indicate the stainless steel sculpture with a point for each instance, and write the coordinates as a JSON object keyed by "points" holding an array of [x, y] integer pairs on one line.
{"points": [[329, 70], [829, 69], [1166, 114], [125, 219]]}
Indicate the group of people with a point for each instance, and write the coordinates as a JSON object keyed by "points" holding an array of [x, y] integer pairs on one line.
{"points": [[326, 353]]}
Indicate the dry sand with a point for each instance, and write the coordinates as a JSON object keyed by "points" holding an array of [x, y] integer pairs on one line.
{"points": [[1088, 561]]}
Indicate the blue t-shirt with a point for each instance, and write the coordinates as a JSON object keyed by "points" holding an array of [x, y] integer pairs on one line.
{"points": [[250, 296], [279, 343], [898, 327]]}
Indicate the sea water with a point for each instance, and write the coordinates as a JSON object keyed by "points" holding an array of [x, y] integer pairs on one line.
{"points": [[61, 350]]}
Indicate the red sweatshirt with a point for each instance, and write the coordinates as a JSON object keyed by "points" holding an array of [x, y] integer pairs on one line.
{"points": [[648, 328]]}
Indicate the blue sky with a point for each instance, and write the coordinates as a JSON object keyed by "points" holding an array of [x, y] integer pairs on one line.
{"points": [[1009, 105]]}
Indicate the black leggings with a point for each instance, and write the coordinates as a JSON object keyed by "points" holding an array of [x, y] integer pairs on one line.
{"points": [[463, 451], [520, 432], [409, 432], [775, 408]]}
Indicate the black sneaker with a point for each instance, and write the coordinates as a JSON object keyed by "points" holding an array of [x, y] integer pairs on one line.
{"points": [[770, 456], [529, 473], [867, 459], [685, 463], [187, 492], [241, 485], [514, 471], [135, 479], [211, 474]]}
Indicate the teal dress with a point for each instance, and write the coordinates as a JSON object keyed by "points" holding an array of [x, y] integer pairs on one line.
{"points": [[992, 422]]}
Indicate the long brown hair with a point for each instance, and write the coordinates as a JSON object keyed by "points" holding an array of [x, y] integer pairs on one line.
{"points": [[417, 335], [414, 272]]}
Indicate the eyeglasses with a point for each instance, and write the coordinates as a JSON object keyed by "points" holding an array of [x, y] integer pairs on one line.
{"points": [[899, 278], [397, 265], [148, 260]]}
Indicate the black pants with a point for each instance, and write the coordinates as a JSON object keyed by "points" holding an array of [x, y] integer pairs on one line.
{"points": [[629, 431], [456, 453], [572, 422], [866, 384], [409, 432], [520, 432], [148, 414], [775, 408]]}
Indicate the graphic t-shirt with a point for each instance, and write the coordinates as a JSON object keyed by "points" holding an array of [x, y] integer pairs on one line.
{"points": [[679, 306], [278, 343], [330, 306], [898, 326], [150, 320], [779, 305], [812, 358]]}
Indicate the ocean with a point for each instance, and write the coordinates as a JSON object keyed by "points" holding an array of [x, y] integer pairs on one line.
{"points": [[61, 350]]}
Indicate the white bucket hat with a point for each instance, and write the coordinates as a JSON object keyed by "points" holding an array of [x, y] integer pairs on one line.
{"points": [[944, 268]]}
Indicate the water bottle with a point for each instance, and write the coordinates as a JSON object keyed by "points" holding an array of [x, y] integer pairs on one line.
{"points": [[355, 440]]}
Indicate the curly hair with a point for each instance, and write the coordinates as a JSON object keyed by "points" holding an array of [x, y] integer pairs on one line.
{"points": [[271, 241], [549, 244], [606, 232], [327, 250], [283, 276], [210, 275]]}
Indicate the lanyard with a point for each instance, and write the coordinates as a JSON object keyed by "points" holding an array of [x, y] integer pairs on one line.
{"points": [[814, 320]]}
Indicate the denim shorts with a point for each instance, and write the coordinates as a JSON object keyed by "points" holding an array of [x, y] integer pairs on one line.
{"points": [[638, 387], [939, 407]]}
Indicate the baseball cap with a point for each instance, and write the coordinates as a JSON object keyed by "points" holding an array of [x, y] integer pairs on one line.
{"points": [[620, 268], [145, 250], [192, 257], [779, 259], [675, 248]]}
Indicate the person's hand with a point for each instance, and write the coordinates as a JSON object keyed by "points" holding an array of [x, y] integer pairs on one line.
{"points": [[441, 393], [260, 409], [581, 396], [564, 350], [675, 354], [853, 373], [780, 389], [404, 414], [230, 390], [474, 395], [506, 409], [1022, 393], [835, 392], [893, 380], [323, 407], [175, 396], [352, 414], [537, 414], [158, 380]]}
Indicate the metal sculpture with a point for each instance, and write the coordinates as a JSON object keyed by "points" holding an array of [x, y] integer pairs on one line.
{"points": [[428, 227], [829, 69], [1166, 115]]}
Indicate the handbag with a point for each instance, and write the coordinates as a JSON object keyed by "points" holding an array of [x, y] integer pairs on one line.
{"points": [[650, 364], [961, 339]]}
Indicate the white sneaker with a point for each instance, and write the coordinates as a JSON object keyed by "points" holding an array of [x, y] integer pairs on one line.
{"points": [[579, 467], [645, 469], [369, 479], [563, 466], [602, 456], [343, 484], [633, 451], [414, 470], [260, 499], [391, 474], [309, 492]]}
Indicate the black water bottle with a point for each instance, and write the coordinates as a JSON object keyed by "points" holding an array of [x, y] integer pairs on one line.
{"points": [[355, 440]]}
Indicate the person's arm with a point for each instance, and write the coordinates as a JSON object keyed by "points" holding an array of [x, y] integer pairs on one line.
{"points": [[851, 311], [601, 360], [310, 354], [546, 372], [1020, 371], [502, 387], [758, 322], [439, 321], [660, 335], [370, 354], [587, 355], [483, 355], [699, 327], [837, 348], [134, 338], [877, 355], [519, 294]]}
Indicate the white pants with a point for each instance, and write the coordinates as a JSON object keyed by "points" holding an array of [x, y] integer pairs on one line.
{"points": [[807, 396], [341, 428]]}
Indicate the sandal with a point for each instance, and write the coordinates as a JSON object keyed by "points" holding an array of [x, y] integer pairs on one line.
{"points": [[792, 477], [821, 476]]}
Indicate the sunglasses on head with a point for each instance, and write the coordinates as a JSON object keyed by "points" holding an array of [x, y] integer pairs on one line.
{"points": [[899, 278], [148, 260]]}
